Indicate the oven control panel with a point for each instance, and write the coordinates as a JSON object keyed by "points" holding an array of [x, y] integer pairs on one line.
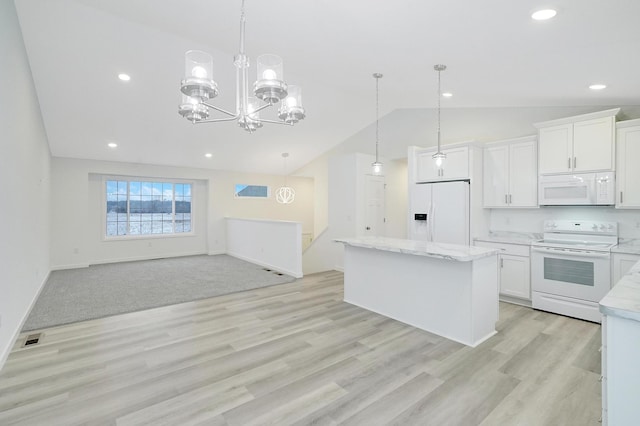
{"points": [[581, 227]]}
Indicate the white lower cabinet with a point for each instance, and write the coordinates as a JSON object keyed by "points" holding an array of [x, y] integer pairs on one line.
{"points": [[620, 371], [620, 265], [514, 269]]}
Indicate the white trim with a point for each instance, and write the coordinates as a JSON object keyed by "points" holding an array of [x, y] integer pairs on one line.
{"points": [[11, 343], [628, 123], [265, 264], [70, 266], [216, 253], [569, 120], [141, 179], [530, 138], [149, 257]]}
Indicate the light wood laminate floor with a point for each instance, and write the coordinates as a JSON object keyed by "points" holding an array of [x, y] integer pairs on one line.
{"points": [[297, 354]]}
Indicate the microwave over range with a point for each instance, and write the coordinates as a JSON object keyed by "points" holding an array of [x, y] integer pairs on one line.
{"points": [[584, 189]]}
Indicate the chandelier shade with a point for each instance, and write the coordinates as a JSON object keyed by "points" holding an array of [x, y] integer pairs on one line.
{"points": [[199, 87]]}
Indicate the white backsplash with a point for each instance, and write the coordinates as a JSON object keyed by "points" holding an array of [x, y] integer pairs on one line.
{"points": [[531, 220]]}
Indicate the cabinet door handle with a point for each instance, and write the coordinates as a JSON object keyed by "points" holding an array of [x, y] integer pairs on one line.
{"points": [[620, 197], [569, 163], [574, 162], [509, 198], [501, 262], [506, 199]]}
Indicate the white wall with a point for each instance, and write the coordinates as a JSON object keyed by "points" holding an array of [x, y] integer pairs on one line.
{"points": [[275, 244], [531, 220], [76, 211], [24, 173]]}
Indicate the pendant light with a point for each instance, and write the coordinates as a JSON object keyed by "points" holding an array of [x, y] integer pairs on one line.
{"points": [[285, 194], [439, 156], [377, 165]]}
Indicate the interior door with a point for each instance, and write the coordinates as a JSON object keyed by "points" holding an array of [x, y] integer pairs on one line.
{"points": [[374, 206]]}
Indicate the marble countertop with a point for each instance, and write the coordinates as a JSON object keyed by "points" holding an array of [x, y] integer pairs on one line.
{"points": [[421, 248], [628, 246], [508, 237], [624, 298]]}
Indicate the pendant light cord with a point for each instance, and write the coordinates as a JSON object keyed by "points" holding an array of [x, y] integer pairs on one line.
{"points": [[439, 96], [377, 115]]}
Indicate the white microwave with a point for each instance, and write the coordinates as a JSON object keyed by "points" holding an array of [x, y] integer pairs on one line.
{"points": [[595, 189]]}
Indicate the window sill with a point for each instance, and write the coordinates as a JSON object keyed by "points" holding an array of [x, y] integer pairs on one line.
{"points": [[147, 237]]}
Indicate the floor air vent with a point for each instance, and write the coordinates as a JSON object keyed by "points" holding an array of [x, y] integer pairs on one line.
{"points": [[32, 339]]}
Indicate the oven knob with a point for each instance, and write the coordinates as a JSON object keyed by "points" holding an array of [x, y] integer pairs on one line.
{"points": [[603, 228], [594, 227]]}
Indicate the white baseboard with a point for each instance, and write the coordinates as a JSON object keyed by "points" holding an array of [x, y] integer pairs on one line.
{"points": [[338, 268], [7, 350], [72, 266], [296, 274], [216, 253], [148, 257]]}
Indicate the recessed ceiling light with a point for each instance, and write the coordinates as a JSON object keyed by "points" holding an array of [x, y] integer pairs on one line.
{"points": [[208, 155], [543, 15], [447, 94], [112, 145], [598, 86], [124, 77]]}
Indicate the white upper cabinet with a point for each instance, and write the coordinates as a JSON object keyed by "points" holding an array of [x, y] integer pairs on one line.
{"points": [[628, 171], [583, 143], [510, 173], [454, 167]]}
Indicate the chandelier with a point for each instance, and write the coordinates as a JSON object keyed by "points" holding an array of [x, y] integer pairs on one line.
{"points": [[198, 87], [377, 165], [285, 194], [439, 156]]}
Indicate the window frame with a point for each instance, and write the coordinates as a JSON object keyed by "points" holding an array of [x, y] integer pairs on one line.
{"points": [[129, 179], [251, 197]]}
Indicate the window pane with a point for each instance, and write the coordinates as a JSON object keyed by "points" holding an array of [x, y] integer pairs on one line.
{"points": [[259, 191], [146, 207]]}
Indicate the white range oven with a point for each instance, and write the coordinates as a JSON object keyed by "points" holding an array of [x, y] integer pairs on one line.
{"points": [[571, 267]]}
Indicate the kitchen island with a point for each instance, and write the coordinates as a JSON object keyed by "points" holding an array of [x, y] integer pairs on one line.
{"points": [[446, 289]]}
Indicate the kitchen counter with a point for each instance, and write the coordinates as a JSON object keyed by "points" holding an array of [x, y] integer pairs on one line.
{"points": [[420, 248], [507, 237], [445, 289], [624, 298], [629, 246]]}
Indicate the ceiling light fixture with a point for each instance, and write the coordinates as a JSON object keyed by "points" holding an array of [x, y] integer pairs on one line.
{"points": [[285, 194], [124, 77], [198, 87], [439, 156], [543, 15], [208, 155], [112, 145], [598, 86], [377, 165], [447, 94]]}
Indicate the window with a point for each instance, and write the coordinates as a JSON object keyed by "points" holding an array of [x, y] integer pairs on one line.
{"points": [[252, 191], [137, 207]]}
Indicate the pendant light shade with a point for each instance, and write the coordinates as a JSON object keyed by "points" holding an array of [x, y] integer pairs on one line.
{"points": [[285, 194], [439, 156], [376, 166]]}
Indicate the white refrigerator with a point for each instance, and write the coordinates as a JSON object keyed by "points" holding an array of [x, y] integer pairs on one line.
{"points": [[439, 212]]}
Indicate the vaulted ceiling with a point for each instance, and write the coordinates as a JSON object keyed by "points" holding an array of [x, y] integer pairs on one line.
{"points": [[495, 53]]}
